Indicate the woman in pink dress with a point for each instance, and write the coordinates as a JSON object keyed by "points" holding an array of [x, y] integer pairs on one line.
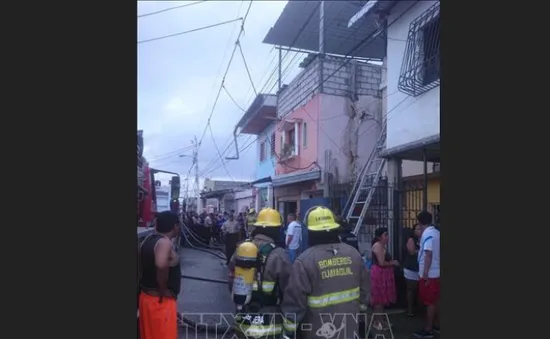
{"points": [[382, 280]]}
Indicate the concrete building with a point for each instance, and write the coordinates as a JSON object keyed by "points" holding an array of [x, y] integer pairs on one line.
{"points": [[223, 192], [260, 120], [328, 116], [411, 98], [244, 199]]}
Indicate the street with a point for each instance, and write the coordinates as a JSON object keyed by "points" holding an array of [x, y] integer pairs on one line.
{"points": [[206, 297]]}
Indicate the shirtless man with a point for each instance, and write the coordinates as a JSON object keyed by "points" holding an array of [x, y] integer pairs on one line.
{"points": [[159, 283]]}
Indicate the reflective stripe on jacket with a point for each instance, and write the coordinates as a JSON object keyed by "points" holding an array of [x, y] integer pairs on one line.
{"points": [[325, 279]]}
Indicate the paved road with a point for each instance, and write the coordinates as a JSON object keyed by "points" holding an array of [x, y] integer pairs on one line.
{"points": [[200, 296], [206, 297]]}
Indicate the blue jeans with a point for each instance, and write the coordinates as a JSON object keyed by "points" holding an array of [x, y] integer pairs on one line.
{"points": [[293, 254]]}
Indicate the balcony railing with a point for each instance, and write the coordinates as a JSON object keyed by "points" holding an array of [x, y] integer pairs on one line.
{"points": [[287, 152]]}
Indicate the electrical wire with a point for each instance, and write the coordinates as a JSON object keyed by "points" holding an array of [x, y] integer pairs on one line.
{"points": [[224, 76], [369, 39], [273, 73], [232, 99], [218, 150], [243, 150], [189, 31], [229, 140], [170, 9], [236, 46], [170, 154], [246, 68]]}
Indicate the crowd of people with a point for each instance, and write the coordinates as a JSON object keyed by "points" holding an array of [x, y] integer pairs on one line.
{"points": [[296, 282]]}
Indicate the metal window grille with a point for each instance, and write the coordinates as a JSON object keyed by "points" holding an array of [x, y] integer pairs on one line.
{"points": [[272, 144], [262, 151], [421, 61]]}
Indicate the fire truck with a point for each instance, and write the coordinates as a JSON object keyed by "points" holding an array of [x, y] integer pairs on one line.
{"points": [[146, 192]]}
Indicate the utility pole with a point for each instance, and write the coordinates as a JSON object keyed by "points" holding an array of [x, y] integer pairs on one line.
{"points": [[196, 183]]}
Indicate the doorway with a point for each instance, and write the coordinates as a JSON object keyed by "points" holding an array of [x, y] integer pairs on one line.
{"points": [[287, 207]]}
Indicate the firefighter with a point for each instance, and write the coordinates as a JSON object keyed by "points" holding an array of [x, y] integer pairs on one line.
{"points": [[328, 278], [259, 272], [250, 220]]}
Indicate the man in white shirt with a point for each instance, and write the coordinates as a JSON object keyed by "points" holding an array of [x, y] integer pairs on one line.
{"points": [[293, 236], [428, 261]]}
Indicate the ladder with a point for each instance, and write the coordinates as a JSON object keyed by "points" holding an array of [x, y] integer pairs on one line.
{"points": [[365, 186]]}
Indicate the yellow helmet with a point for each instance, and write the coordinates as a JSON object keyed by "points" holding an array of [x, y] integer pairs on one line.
{"points": [[319, 218], [268, 217]]}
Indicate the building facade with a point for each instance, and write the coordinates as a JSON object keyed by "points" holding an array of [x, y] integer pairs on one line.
{"points": [[411, 100], [325, 129], [260, 120]]}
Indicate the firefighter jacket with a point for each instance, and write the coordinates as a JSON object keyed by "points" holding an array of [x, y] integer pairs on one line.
{"points": [[274, 280], [327, 279]]}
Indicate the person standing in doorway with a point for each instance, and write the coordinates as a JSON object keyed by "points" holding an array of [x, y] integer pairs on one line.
{"points": [[159, 280], [293, 236], [232, 236], [428, 264]]}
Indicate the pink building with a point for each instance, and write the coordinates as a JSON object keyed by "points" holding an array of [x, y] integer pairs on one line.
{"points": [[324, 131]]}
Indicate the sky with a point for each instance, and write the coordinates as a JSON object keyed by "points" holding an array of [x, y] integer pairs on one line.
{"points": [[178, 79]]}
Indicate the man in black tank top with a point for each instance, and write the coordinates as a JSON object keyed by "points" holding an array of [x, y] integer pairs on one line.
{"points": [[160, 277]]}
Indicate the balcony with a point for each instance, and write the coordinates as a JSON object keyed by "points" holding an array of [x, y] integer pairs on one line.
{"points": [[287, 153]]}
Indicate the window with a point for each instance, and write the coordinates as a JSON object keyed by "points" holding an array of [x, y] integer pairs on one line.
{"points": [[272, 143], [304, 134], [262, 151], [291, 137], [421, 66], [430, 61]]}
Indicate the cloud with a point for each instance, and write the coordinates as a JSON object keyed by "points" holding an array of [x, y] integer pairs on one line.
{"points": [[178, 80]]}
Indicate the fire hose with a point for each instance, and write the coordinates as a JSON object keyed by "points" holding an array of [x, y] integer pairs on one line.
{"points": [[198, 248], [203, 327], [188, 235], [199, 240]]}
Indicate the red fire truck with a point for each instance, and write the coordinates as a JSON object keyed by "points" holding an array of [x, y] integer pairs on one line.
{"points": [[146, 195]]}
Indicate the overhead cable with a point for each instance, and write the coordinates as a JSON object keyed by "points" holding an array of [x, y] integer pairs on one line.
{"points": [[170, 9]]}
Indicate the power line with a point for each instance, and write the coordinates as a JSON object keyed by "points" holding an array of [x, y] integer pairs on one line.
{"points": [[223, 163], [369, 39], [211, 163], [229, 140], [218, 150], [271, 76], [170, 8], [189, 31], [225, 75], [170, 153], [246, 68], [220, 68], [232, 99]]}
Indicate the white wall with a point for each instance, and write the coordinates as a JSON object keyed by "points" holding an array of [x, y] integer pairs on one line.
{"points": [[409, 118], [244, 199]]}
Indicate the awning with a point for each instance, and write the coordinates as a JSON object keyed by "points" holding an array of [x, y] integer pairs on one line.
{"points": [[298, 27], [288, 124], [215, 194], [295, 177], [261, 181], [415, 150], [261, 113]]}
